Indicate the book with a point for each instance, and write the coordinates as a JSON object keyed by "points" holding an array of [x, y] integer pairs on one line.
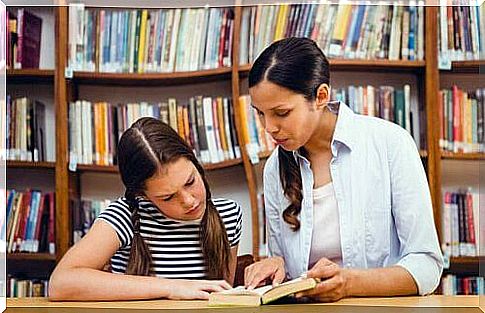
{"points": [[261, 295]]}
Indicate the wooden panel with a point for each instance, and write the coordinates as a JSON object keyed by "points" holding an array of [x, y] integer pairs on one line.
{"points": [[62, 184], [248, 167], [431, 103]]}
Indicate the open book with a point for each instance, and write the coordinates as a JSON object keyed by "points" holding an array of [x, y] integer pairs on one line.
{"points": [[262, 295]]}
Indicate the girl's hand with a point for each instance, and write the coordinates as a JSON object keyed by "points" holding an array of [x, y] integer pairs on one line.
{"points": [[195, 289], [334, 284], [257, 273]]}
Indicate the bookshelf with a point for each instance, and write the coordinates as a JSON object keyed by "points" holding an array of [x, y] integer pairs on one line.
{"points": [[425, 74]]}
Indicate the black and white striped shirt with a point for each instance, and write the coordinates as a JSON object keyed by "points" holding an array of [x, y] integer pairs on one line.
{"points": [[174, 245]]}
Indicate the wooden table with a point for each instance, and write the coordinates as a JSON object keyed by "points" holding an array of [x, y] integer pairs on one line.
{"points": [[435, 304]]}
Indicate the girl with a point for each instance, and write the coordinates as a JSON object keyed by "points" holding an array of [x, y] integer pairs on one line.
{"points": [[346, 195], [169, 238]]}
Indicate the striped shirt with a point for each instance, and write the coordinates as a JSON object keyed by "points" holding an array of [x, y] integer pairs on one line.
{"points": [[174, 245]]}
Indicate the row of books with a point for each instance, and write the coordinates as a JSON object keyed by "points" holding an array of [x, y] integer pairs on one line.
{"points": [[363, 32], [452, 285], [138, 41], [21, 288], [255, 137], [462, 116], [387, 102], [23, 39], [83, 214], [206, 123], [25, 129], [461, 33], [30, 221], [460, 223]]}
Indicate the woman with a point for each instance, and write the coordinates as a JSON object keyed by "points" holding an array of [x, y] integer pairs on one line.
{"points": [[169, 238], [346, 195]]}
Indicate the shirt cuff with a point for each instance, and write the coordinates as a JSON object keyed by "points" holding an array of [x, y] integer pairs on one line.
{"points": [[425, 270]]}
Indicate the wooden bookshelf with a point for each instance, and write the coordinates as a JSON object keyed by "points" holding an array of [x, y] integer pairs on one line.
{"points": [[29, 76], [22, 256], [150, 79], [31, 165], [427, 74], [365, 66], [462, 156]]}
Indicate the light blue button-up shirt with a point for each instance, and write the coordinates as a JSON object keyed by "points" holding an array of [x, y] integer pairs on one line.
{"points": [[385, 210]]}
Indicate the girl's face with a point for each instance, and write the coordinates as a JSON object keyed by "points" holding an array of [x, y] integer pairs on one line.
{"points": [[287, 116], [178, 191]]}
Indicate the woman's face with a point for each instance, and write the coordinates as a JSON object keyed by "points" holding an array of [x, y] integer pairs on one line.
{"points": [[287, 116], [178, 191]]}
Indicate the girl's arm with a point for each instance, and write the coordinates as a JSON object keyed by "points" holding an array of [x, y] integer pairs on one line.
{"points": [[79, 275]]}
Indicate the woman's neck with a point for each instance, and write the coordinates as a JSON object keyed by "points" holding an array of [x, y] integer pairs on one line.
{"points": [[321, 139]]}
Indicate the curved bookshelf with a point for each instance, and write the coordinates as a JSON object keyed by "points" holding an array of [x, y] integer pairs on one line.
{"points": [[364, 65], [25, 164], [144, 79], [29, 75], [462, 156], [114, 169]]}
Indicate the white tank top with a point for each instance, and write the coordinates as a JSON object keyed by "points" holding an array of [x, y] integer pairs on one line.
{"points": [[326, 227]]}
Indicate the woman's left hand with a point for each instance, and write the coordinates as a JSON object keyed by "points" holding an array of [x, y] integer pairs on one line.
{"points": [[334, 283]]}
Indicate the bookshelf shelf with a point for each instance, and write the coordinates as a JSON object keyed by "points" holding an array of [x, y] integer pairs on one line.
{"points": [[471, 67], [25, 164], [144, 79], [29, 75], [114, 169], [365, 65], [462, 156], [465, 265], [31, 257]]}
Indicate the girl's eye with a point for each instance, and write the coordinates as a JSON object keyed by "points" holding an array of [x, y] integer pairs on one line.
{"points": [[260, 113], [168, 199], [283, 113]]}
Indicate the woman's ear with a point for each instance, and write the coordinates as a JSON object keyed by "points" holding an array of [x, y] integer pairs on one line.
{"points": [[323, 96]]}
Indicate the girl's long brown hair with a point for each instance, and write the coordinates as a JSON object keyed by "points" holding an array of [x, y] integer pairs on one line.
{"points": [[299, 65], [143, 148]]}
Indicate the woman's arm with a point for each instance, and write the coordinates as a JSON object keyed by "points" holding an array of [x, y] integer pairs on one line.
{"points": [[79, 275], [338, 283]]}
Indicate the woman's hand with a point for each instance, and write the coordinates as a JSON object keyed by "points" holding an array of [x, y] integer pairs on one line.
{"points": [[334, 285], [257, 273], [195, 289]]}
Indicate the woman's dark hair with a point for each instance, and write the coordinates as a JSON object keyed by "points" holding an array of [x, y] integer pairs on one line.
{"points": [[299, 65], [143, 148]]}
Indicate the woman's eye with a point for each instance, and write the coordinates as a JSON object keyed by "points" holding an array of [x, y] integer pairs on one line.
{"points": [[283, 113], [190, 182]]}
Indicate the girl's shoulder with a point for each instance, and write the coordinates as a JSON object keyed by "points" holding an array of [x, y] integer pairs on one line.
{"points": [[227, 208]]}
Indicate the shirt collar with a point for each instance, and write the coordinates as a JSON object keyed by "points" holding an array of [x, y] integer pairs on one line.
{"points": [[343, 128]]}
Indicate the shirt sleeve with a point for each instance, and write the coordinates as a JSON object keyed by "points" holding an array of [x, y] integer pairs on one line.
{"points": [[271, 205], [412, 209], [118, 216], [231, 215]]}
